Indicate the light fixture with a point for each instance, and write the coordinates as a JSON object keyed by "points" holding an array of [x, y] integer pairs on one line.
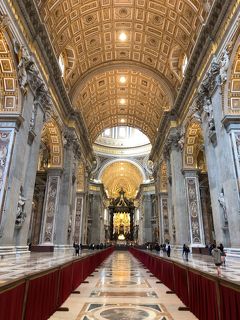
{"points": [[122, 120], [122, 101], [122, 36], [122, 79]]}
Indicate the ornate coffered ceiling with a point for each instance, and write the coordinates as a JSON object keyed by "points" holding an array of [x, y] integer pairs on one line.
{"points": [[124, 175], [158, 34], [106, 102]]}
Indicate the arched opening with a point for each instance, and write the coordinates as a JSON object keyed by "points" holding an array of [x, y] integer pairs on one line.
{"points": [[9, 93], [194, 158], [50, 158]]}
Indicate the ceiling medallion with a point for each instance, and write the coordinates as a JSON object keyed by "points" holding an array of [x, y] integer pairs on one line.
{"points": [[122, 36], [122, 79], [123, 12]]}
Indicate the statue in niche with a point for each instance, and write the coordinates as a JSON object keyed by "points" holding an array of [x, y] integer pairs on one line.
{"points": [[181, 140], [237, 137], [69, 226], [44, 156], [224, 64], [3, 154], [208, 108], [222, 203], [195, 113], [215, 67], [23, 60], [33, 117], [21, 214]]}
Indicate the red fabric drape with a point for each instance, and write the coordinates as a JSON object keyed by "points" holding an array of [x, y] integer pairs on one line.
{"points": [[77, 274], [181, 283], [42, 296], [230, 303], [65, 283], [167, 275], [11, 303], [203, 297]]}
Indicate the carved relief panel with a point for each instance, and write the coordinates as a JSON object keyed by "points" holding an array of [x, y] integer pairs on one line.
{"points": [[50, 208], [195, 213], [6, 144], [78, 219]]}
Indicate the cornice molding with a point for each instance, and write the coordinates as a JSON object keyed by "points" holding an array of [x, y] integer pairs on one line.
{"points": [[206, 37], [39, 33]]}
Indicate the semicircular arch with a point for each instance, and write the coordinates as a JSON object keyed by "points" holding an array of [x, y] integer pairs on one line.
{"points": [[193, 143], [52, 134], [9, 90]]}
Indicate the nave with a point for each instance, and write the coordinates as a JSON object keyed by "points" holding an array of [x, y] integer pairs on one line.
{"points": [[122, 289]]}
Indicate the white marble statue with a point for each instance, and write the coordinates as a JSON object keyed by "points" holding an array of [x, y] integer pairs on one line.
{"points": [[208, 108], [20, 217], [221, 200], [23, 61], [224, 64]]}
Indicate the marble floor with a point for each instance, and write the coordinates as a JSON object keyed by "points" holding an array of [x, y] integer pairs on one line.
{"points": [[230, 271], [122, 289], [17, 266]]}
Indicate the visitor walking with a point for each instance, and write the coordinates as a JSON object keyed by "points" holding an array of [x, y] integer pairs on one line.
{"points": [[186, 251], [223, 254], [77, 247], [216, 254]]}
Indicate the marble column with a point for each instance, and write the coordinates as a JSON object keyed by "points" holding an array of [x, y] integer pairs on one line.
{"points": [[67, 187], [170, 207], [37, 218], [147, 214], [194, 208], [219, 157], [178, 201], [20, 144], [78, 218], [207, 214], [51, 200], [165, 233], [96, 213], [29, 170]]}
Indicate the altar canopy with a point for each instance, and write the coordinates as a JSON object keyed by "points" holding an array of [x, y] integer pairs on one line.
{"points": [[122, 211]]}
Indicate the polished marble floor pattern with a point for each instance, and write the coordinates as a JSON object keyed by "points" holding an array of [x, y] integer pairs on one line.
{"points": [[122, 289]]}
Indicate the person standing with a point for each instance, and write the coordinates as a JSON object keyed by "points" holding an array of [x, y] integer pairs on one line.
{"points": [[186, 251], [223, 254], [216, 254], [76, 249], [168, 247]]}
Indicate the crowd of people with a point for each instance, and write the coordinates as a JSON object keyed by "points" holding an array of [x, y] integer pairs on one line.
{"points": [[78, 247], [217, 252]]}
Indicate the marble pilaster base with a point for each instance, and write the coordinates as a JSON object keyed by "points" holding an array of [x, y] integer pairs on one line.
{"points": [[7, 250], [22, 250], [233, 252], [13, 250]]}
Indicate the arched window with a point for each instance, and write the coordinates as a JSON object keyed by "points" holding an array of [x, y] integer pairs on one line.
{"points": [[61, 64], [184, 65]]}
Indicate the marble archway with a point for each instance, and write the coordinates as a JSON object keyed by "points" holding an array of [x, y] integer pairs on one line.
{"points": [[47, 184], [197, 186]]}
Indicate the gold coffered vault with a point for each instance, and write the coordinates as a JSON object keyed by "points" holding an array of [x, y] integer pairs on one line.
{"points": [[122, 175], [100, 41]]}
